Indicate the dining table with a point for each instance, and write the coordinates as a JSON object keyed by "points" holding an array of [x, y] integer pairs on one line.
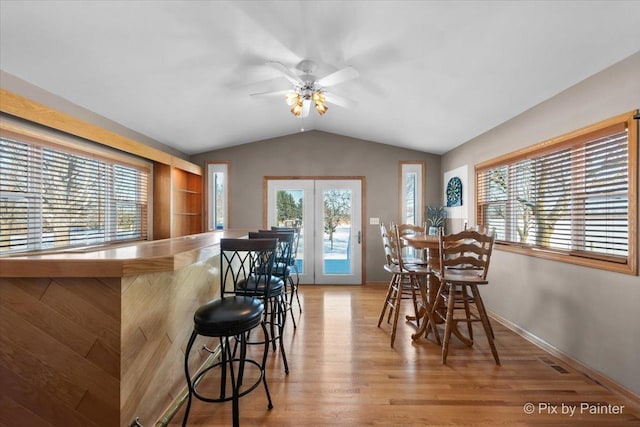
{"points": [[430, 246]]}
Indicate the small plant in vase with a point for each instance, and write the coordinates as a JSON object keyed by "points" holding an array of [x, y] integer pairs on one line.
{"points": [[436, 217]]}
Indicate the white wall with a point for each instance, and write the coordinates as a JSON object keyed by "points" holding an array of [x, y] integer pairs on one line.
{"points": [[589, 314]]}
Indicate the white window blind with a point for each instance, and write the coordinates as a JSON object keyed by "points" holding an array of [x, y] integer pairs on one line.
{"points": [[571, 198], [53, 198]]}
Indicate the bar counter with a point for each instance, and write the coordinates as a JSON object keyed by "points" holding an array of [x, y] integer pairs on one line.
{"points": [[96, 337]]}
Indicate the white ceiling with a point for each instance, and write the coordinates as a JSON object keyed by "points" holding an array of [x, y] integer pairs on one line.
{"points": [[432, 74]]}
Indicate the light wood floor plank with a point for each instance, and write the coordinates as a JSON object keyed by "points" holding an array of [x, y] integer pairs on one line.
{"points": [[343, 373]]}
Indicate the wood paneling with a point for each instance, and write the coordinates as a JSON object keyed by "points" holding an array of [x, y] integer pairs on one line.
{"points": [[157, 316], [46, 339], [100, 352]]}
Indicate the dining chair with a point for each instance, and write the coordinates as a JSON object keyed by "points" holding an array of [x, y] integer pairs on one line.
{"points": [[407, 282], [464, 265], [411, 255]]}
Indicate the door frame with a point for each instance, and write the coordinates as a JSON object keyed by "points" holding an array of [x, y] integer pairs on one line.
{"points": [[363, 213]]}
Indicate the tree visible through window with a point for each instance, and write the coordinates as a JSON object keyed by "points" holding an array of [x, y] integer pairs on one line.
{"points": [[50, 198], [572, 197]]}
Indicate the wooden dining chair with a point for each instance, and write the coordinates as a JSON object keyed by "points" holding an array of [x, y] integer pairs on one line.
{"points": [[411, 255], [406, 283], [464, 265]]}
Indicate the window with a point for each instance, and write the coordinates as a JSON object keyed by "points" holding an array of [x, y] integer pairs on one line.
{"points": [[54, 197], [573, 198], [217, 178], [411, 192]]}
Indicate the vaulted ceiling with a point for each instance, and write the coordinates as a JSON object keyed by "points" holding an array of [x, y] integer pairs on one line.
{"points": [[432, 74]]}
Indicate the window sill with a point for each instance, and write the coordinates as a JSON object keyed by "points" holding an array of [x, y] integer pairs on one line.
{"points": [[624, 268]]}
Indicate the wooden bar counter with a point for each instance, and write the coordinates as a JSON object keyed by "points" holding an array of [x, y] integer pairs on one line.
{"points": [[97, 337]]}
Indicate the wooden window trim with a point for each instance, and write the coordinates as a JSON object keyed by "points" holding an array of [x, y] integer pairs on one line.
{"points": [[602, 262], [205, 172]]}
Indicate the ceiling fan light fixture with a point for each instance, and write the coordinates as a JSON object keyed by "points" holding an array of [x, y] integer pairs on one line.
{"points": [[319, 101], [296, 110], [308, 91], [321, 108], [292, 98]]}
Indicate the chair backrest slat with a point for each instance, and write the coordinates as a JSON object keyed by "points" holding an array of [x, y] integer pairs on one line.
{"points": [[389, 244], [245, 259], [284, 252], [408, 230], [467, 250], [296, 232]]}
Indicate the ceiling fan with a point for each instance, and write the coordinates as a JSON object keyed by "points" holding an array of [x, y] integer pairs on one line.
{"points": [[308, 90]]}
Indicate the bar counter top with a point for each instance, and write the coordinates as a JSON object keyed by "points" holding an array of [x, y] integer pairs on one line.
{"points": [[120, 261]]}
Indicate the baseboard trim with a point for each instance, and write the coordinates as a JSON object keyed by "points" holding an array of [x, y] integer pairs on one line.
{"points": [[588, 372]]}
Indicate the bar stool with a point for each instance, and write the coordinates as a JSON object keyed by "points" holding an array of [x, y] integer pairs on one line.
{"points": [[293, 262], [464, 265], [405, 284], [233, 316], [281, 266], [249, 272]]}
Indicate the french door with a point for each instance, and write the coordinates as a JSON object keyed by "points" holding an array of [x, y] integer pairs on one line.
{"points": [[329, 214]]}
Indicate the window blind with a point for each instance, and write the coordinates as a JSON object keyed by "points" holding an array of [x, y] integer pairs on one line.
{"points": [[572, 199], [52, 198]]}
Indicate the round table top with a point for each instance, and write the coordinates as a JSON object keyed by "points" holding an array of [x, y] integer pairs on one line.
{"points": [[422, 241]]}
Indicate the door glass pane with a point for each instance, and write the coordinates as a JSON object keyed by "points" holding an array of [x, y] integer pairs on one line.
{"points": [[336, 245], [290, 213]]}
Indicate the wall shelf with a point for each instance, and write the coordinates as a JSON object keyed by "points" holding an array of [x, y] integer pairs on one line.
{"points": [[177, 201]]}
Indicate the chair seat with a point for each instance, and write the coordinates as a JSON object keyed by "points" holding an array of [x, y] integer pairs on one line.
{"points": [[253, 286], [408, 268], [282, 269], [414, 261], [463, 277], [290, 261], [228, 316]]}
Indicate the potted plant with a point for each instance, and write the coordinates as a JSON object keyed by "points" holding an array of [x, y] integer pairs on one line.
{"points": [[436, 216]]}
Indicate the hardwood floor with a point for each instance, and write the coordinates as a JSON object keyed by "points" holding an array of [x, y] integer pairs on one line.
{"points": [[343, 373]]}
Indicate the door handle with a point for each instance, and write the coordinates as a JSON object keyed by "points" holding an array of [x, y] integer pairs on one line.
{"points": [[359, 237]]}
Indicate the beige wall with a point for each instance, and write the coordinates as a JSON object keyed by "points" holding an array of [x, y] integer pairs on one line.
{"points": [[318, 153], [591, 315]]}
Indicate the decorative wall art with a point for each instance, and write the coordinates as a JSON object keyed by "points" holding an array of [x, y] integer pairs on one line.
{"points": [[455, 195], [454, 192]]}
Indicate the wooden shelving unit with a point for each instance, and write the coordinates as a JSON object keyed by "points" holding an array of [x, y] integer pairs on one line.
{"points": [[177, 195]]}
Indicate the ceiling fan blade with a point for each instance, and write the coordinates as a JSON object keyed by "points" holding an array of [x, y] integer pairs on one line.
{"points": [[306, 106], [272, 93], [341, 101], [287, 73], [340, 76]]}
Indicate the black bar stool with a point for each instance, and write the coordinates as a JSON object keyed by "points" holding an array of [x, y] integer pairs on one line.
{"points": [[256, 278], [281, 266], [234, 316], [293, 262]]}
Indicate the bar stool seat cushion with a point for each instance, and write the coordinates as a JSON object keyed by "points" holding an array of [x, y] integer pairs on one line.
{"points": [[282, 268], [228, 316], [256, 286]]}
